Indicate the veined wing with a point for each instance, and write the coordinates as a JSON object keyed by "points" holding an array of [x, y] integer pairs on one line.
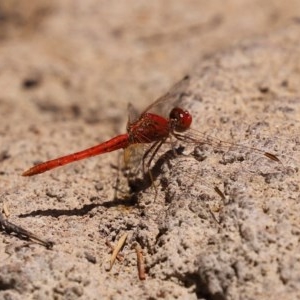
{"points": [[164, 104], [199, 138], [133, 155]]}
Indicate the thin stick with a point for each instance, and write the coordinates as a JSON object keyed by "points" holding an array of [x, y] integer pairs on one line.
{"points": [[213, 215], [117, 249], [140, 260], [5, 210], [119, 256], [22, 233]]}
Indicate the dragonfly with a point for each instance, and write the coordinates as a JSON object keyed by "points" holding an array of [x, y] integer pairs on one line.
{"points": [[153, 129]]}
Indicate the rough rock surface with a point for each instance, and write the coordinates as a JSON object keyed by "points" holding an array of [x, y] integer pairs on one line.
{"points": [[68, 70]]}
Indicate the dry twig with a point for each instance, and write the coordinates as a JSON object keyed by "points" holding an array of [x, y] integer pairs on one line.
{"points": [[140, 260], [5, 210], [117, 249], [119, 256], [9, 228]]}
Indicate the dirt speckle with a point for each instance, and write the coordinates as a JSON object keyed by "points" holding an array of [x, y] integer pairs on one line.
{"points": [[68, 70]]}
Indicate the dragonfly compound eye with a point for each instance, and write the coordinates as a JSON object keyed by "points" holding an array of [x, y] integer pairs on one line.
{"points": [[181, 119]]}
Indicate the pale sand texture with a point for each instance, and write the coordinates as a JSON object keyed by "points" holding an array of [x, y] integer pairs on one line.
{"points": [[68, 70]]}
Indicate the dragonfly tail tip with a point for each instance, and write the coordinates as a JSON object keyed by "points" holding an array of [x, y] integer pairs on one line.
{"points": [[27, 173]]}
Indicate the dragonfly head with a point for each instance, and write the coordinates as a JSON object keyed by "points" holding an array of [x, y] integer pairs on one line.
{"points": [[180, 119]]}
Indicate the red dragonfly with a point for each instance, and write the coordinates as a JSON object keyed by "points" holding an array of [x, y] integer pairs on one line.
{"points": [[150, 128]]}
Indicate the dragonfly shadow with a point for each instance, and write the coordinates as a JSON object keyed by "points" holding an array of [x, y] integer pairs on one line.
{"points": [[61, 212], [150, 175], [136, 185], [131, 201], [85, 209]]}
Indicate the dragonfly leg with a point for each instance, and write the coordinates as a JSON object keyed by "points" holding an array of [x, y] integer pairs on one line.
{"points": [[154, 148], [153, 151]]}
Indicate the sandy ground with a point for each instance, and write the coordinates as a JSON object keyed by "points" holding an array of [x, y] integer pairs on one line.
{"points": [[68, 70]]}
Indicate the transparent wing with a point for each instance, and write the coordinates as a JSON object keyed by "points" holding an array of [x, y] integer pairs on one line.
{"points": [[164, 104], [197, 137], [263, 160], [133, 113], [133, 156]]}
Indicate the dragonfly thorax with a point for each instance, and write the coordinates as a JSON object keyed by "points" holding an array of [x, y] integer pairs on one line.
{"points": [[180, 119]]}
